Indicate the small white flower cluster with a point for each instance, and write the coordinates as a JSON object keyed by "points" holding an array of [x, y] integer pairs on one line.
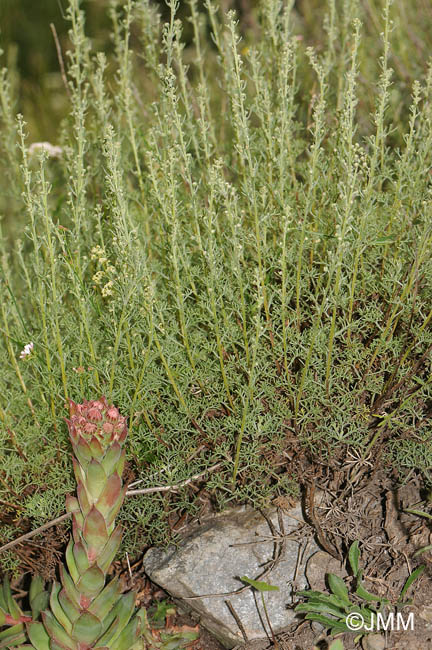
{"points": [[53, 151], [28, 349]]}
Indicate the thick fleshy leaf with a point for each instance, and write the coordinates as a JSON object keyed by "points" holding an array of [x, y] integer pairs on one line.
{"points": [[38, 636], [57, 609], [82, 451], [95, 533], [9, 605], [109, 495], [117, 619], [39, 604], [71, 611], [96, 448], [12, 636], [69, 587], [106, 600], [115, 510], [78, 471], [96, 480], [129, 635], [38, 597], [83, 499], [111, 458], [121, 463], [80, 555], [70, 562], [91, 582], [77, 526], [107, 556], [87, 628], [56, 632], [72, 504]]}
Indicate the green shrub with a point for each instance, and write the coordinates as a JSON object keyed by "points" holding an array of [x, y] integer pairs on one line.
{"points": [[228, 248]]}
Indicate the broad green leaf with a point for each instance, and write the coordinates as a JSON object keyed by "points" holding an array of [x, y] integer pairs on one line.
{"points": [[366, 595], [324, 608], [339, 588], [327, 622], [259, 585], [353, 557]]}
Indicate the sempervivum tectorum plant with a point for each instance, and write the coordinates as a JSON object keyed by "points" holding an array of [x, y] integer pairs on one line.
{"points": [[84, 612]]}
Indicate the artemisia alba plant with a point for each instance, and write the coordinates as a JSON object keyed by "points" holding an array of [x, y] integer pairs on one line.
{"points": [[84, 612]]}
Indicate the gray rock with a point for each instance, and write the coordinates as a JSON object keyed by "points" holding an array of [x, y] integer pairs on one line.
{"points": [[211, 559]]}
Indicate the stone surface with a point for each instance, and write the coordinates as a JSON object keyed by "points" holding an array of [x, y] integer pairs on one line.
{"points": [[211, 559]]}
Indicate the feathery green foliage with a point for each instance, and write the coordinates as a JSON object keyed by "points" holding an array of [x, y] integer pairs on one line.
{"points": [[233, 245]]}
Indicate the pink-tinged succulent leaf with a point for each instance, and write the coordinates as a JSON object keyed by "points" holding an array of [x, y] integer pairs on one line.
{"points": [[69, 587], [70, 562], [56, 632], [82, 451], [80, 555], [110, 549], [91, 582], [68, 607], [115, 510], [111, 458], [96, 480], [95, 533], [105, 601], [77, 526], [74, 408], [121, 437], [83, 499], [80, 476], [73, 433], [57, 610], [87, 628], [96, 448], [72, 504], [110, 494]]}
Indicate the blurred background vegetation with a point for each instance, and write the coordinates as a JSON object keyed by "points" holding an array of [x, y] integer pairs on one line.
{"points": [[29, 47]]}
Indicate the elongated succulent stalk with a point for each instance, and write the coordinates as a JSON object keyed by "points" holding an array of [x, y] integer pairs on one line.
{"points": [[86, 613]]}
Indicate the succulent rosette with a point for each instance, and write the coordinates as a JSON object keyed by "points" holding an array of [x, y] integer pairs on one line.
{"points": [[85, 612]]}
